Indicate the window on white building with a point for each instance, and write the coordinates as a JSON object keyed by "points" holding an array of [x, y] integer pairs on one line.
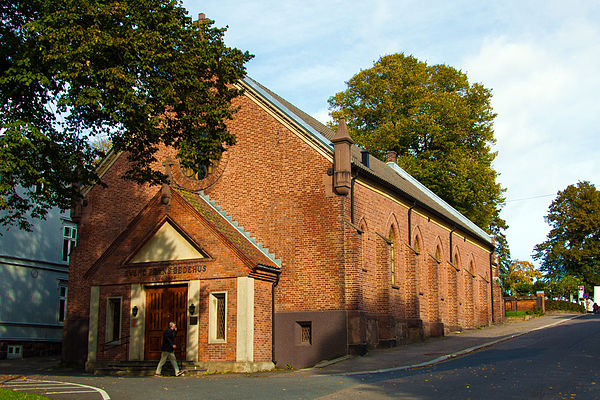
{"points": [[69, 241], [62, 301]]}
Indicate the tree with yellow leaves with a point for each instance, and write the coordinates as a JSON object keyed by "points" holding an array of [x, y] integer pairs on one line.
{"points": [[520, 278]]}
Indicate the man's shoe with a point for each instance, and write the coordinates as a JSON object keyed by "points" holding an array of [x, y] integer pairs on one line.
{"points": [[155, 374], [179, 373]]}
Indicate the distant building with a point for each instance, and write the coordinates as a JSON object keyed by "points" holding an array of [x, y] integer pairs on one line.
{"points": [[292, 248], [34, 285]]}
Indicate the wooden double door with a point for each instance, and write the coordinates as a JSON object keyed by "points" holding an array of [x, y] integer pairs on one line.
{"points": [[165, 304]]}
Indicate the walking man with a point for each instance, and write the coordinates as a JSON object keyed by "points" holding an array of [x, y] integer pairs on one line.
{"points": [[168, 350]]}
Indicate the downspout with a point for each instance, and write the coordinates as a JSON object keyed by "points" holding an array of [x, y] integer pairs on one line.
{"points": [[273, 318], [492, 283], [451, 252], [410, 222]]}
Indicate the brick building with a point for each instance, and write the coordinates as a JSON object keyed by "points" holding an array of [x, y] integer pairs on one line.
{"points": [[293, 247]]}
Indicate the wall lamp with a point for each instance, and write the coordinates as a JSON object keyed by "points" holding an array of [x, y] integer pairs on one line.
{"points": [[192, 309], [134, 311]]}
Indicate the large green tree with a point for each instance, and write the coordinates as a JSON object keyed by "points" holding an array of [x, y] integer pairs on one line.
{"points": [[573, 243], [138, 72], [438, 123]]}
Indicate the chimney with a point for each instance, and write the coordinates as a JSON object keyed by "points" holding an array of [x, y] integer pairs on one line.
{"points": [[342, 143], [391, 156], [201, 21], [364, 155]]}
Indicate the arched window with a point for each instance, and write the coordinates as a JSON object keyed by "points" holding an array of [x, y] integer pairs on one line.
{"points": [[438, 254], [393, 255]]}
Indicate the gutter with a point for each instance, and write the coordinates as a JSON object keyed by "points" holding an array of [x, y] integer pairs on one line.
{"points": [[478, 234]]}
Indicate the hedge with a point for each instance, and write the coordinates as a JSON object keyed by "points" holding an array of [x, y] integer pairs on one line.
{"points": [[564, 305]]}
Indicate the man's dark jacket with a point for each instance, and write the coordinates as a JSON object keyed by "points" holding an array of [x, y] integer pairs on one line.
{"points": [[168, 340]]}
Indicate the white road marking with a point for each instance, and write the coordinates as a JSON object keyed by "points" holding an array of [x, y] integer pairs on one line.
{"points": [[72, 391], [55, 386]]}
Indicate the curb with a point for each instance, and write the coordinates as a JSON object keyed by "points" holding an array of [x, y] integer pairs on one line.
{"points": [[453, 355]]}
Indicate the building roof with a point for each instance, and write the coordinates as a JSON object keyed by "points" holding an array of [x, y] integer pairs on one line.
{"points": [[400, 181]]}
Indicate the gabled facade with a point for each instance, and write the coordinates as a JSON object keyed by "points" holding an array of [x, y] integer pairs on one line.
{"points": [[292, 248]]}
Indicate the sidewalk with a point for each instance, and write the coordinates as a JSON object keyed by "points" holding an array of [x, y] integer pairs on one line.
{"points": [[413, 355], [434, 350]]}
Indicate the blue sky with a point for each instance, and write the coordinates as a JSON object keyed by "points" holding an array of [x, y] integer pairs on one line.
{"points": [[541, 59]]}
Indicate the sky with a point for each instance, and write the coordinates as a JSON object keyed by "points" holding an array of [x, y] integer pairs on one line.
{"points": [[541, 60]]}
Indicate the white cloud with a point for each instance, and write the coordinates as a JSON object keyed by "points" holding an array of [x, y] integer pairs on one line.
{"points": [[545, 90], [322, 116], [540, 58]]}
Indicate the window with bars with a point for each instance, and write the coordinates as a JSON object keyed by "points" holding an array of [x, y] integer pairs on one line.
{"points": [[305, 332], [218, 317], [69, 241], [62, 301], [113, 319]]}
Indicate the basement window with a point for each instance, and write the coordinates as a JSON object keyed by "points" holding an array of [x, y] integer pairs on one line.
{"points": [[14, 351], [305, 332]]}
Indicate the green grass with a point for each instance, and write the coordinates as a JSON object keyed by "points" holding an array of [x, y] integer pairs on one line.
{"points": [[520, 313], [10, 395]]}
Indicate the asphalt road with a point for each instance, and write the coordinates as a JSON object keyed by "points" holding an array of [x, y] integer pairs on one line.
{"points": [[554, 363]]}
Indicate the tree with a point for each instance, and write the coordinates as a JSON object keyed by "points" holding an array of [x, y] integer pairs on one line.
{"points": [[520, 277], [138, 72], [573, 243], [503, 256], [569, 285], [439, 125]]}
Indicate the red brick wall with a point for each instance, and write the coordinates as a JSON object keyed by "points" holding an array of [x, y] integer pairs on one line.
{"points": [[421, 281], [273, 186], [262, 321]]}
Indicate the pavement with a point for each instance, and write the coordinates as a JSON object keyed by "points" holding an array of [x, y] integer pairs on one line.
{"points": [[409, 356], [434, 350]]}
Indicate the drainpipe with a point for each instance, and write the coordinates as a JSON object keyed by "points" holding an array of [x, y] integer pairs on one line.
{"points": [[410, 222], [492, 284], [492, 275], [451, 253], [273, 318]]}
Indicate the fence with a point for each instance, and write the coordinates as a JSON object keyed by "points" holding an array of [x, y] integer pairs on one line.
{"points": [[525, 303]]}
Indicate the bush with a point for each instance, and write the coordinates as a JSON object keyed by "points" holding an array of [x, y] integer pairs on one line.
{"points": [[563, 305]]}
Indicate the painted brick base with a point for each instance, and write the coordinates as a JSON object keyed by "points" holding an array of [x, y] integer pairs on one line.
{"points": [[31, 349]]}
